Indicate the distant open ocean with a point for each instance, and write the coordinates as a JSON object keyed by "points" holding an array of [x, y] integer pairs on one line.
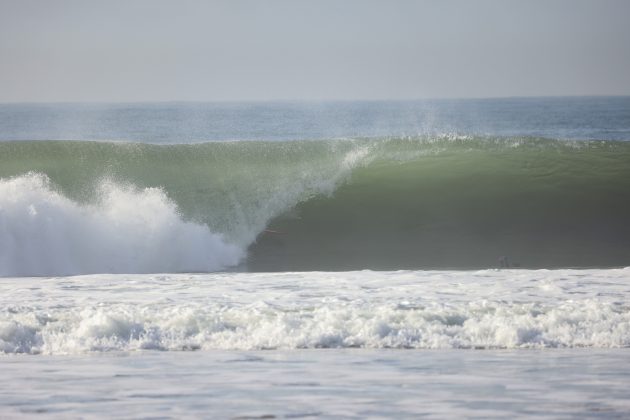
{"points": [[437, 258]]}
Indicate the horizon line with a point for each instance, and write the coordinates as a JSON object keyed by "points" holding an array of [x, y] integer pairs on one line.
{"points": [[311, 100]]}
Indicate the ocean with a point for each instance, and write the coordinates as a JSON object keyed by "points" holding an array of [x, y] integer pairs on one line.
{"points": [[437, 258]]}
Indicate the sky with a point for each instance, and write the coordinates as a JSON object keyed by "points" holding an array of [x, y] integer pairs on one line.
{"points": [[255, 50]]}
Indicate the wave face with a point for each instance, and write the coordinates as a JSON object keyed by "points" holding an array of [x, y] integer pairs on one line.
{"points": [[427, 202], [465, 203], [247, 311]]}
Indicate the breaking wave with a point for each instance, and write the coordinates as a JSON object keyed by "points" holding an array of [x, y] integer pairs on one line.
{"points": [[71, 207], [126, 230]]}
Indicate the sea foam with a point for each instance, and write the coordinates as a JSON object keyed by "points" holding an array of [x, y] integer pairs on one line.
{"points": [[125, 230], [488, 309]]}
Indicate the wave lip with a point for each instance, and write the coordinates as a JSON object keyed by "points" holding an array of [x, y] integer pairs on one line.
{"points": [[127, 230]]}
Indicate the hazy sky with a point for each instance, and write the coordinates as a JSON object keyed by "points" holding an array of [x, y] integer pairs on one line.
{"points": [[148, 50]]}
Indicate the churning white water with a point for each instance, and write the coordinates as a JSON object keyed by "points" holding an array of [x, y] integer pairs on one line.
{"points": [[512, 343], [486, 309], [127, 230]]}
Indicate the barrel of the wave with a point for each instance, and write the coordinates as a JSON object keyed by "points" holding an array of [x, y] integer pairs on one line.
{"points": [[469, 204]]}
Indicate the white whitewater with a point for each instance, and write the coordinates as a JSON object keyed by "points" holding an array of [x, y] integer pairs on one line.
{"points": [[487, 309], [126, 230]]}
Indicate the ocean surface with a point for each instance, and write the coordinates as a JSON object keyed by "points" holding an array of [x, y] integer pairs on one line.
{"points": [[437, 258]]}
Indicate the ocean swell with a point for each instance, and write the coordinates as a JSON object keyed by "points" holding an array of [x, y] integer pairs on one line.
{"points": [[443, 202]]}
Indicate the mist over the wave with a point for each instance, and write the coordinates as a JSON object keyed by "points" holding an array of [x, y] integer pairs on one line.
{"points": [[594, 118]]}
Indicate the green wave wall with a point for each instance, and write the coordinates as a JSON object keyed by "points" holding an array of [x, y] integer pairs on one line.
{"points": [[446, 202]]}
